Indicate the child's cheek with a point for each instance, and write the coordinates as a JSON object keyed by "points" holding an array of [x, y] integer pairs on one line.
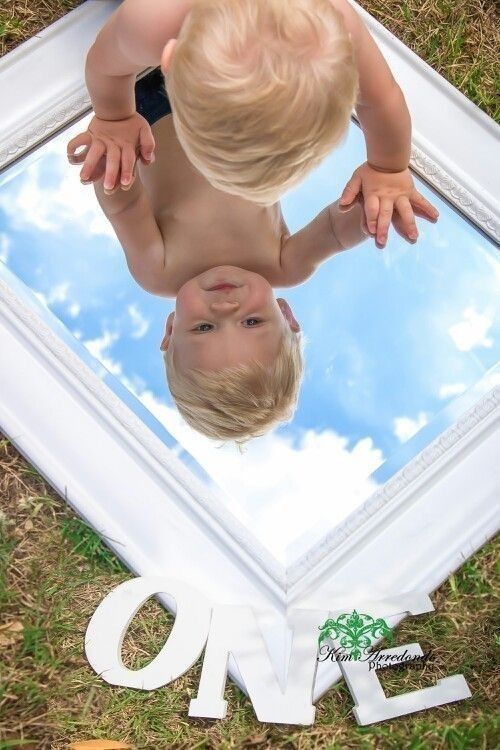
{"points": [[190, 304]]}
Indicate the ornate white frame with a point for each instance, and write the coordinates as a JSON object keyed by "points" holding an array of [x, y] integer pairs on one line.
{"points": [[157, 516]]}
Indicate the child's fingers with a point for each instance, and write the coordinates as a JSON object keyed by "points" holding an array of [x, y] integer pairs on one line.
{"points": [[99, 170], [364, 225], [147, 144], [144, 161], [96, 151], [350, 191], [372, 206], [113, 158], [80, 141], [131, 182], [422, 214], [396, 222], [384, 220], [408, 224], [127, 165], [422, 204], [113, 190], [80, 157]]}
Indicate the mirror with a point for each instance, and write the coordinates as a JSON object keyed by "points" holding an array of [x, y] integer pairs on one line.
{"points": [[399, 342]]}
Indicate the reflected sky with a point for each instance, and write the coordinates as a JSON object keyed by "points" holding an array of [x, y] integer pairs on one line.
{"points": [[397, 340]]}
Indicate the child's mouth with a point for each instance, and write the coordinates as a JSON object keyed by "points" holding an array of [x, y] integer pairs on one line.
{"points": [[218, 287]]}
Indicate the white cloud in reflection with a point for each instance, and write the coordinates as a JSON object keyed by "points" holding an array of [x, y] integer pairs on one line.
{"points": [[279, 489], [32, 204], [4, 247], [471, 330], [405, 427], [56, 294], [98, 348], [140, 325], [451, 389], [74, 310]]}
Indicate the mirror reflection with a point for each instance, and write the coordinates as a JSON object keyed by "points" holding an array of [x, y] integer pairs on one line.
{"points": [[232, 349], [398, 342]]}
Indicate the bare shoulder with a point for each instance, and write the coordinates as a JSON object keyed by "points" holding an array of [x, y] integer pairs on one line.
{"points": [[143, 27], [278, 273], [292, 268], [293, 277]]}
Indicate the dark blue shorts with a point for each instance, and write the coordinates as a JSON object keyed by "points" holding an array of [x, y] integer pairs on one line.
{"points": [[151, 99]]}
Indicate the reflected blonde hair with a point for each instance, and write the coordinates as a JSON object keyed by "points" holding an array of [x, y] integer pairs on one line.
{"points": [[241, 402], [261, 91]]}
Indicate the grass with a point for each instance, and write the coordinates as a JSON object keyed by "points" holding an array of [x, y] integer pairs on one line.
{"points": [[458, 38], [54, 570], [22, 19]]}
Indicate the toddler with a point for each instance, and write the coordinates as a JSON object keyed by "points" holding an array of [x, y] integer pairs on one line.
{"points": [[261, 90], [232, 351]]}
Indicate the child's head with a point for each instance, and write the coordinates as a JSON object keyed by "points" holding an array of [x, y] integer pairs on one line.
{"points": [[232, 354], [261, 91]]}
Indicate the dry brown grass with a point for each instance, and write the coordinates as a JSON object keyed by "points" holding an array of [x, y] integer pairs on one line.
{"points": [[22, 19], [458, 38]]}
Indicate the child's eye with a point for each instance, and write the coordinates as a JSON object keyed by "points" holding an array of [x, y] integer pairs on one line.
{"points": [[203, 327], [252, 322]]}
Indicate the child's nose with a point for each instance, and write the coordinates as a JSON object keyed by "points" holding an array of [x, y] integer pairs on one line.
{"points": [[224, 306]]}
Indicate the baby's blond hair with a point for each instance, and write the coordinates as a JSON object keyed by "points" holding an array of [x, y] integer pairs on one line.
{"points": [[241, 402], [261, 91]]}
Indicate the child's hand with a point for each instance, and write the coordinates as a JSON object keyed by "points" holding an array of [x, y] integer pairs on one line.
{"points": [[100, 169], [398, 220], [385, 193], [111, 148]]}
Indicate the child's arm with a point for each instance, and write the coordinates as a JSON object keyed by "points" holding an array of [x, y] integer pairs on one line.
{"points": [[381, 106], [132, 39], [129, 213], [384, 179], [330, 232]]}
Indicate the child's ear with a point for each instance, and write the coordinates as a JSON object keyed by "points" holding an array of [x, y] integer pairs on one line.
{"points": [[166, 55], [168, 332], [288, 314]]}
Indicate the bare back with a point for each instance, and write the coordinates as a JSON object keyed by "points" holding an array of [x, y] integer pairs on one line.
{"points": [[173, 225], [201, 226]]}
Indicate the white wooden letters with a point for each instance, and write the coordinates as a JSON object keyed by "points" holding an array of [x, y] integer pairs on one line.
{"points": [[234, 629]]}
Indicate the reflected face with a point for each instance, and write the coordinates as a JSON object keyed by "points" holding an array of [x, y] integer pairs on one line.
{"points": [[224, 317]]}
